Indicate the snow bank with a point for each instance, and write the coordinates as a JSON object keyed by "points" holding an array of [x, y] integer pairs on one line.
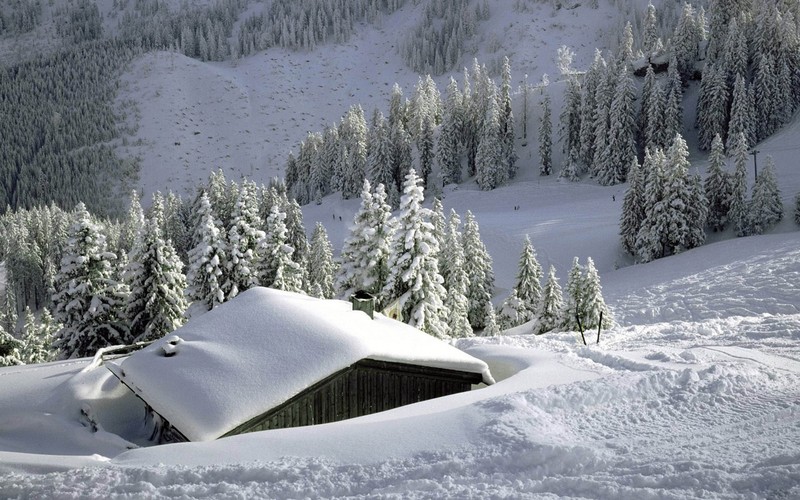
{"points": [[262, 348]]}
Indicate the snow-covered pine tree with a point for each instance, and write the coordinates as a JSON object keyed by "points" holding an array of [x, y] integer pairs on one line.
{"points": [[712, 106], [478, 266], [717, 187], [513, 311], [633, 205], [132, 224], [206, 275], [550, 314], [321, 266], [490, 166], [490, 328], [622, 131], [10, 349], [651, 239], [766, 207], [684, 228], [456, 284], [655, 117], [594, 304], [603, 98], [353, 136], [574, 301], [529, 278], [570, 120], [650, 36], [330, 157], [672, 123], [88, 302], [378, 150], [451, 244], [766, 92], [740, 115], [734, 53], [448, 155], [275, 265], [644, 101], [737, 214], [594, 76], [685, 42], [245, 241], [295, 231], [37, 338], [401, 161], [155, 279], [425, 145], [365, 253], [546, 138], [414, 277], [506, 121]]}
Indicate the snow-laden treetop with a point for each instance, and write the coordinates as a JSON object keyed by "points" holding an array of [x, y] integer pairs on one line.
{"points": [[254, 352]]}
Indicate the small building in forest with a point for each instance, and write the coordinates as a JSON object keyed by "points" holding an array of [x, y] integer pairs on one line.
{"points": [[270, 359]]}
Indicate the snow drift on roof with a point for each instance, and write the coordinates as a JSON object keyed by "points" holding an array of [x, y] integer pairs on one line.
{"points": [[264, 347]]}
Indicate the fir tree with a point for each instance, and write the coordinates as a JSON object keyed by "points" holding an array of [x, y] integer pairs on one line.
{"points": [[491, 328], [651, 238], [550, 314], [740, 116], [156, 304], [570, 119], [594, 304], [451, 245], [321, 266], [685, 42], [245, 240], [712, 107], [545, 138], [589, 110], [208, 259], [276, 268], [650, 36], [737, 214], [353, 135], [513, 312], [37, 338], [529, 278], [633, 206], [10, 349], [717, 187], [489, 164], [414, 277], [672, 123], [684, 228], [87, 301], [622, 132], [574, 304], [506, 122], [766, 207], [447, 147], [655, 117], [456, 284], [365, 254], [478, 266]]}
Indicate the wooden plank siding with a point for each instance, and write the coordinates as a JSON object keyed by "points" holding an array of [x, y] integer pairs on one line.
{"points": [[366, 387]]}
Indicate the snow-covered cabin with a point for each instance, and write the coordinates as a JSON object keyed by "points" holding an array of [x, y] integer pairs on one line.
{"points": [[271, 359]]}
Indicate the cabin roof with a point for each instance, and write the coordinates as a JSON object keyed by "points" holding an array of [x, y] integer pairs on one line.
{"points": [[263, 347]]}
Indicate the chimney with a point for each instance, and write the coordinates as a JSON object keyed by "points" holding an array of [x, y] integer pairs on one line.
{"points": [[363, 301]]}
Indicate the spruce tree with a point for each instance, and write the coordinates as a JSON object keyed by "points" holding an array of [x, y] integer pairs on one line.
{"points": [[506, 122], [365, 254], [679, 197], [456, 284], [672, 123], [275, 265], [529, 278], [570, 120], [478, 266], [513, 312], [10, 349], [685, 41], [712, 107], [766, 207], [489, 163], [490, 328], [574, 302], [206, 275], [245, 241], [717, 187], [88, 301], [448, 155], [414, 277], [589, 110], [353, 136], [594, 304], [633, 206], [655, 117], [545, 138], [154, 275], [740, 116], [621, 133], [650, 36], [651, 238], [737, 214], [321, 266], [550, 314], [37, 338], [451, 245]]}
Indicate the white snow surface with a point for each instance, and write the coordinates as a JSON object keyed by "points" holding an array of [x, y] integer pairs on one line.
{"points": [[265, 346]]}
